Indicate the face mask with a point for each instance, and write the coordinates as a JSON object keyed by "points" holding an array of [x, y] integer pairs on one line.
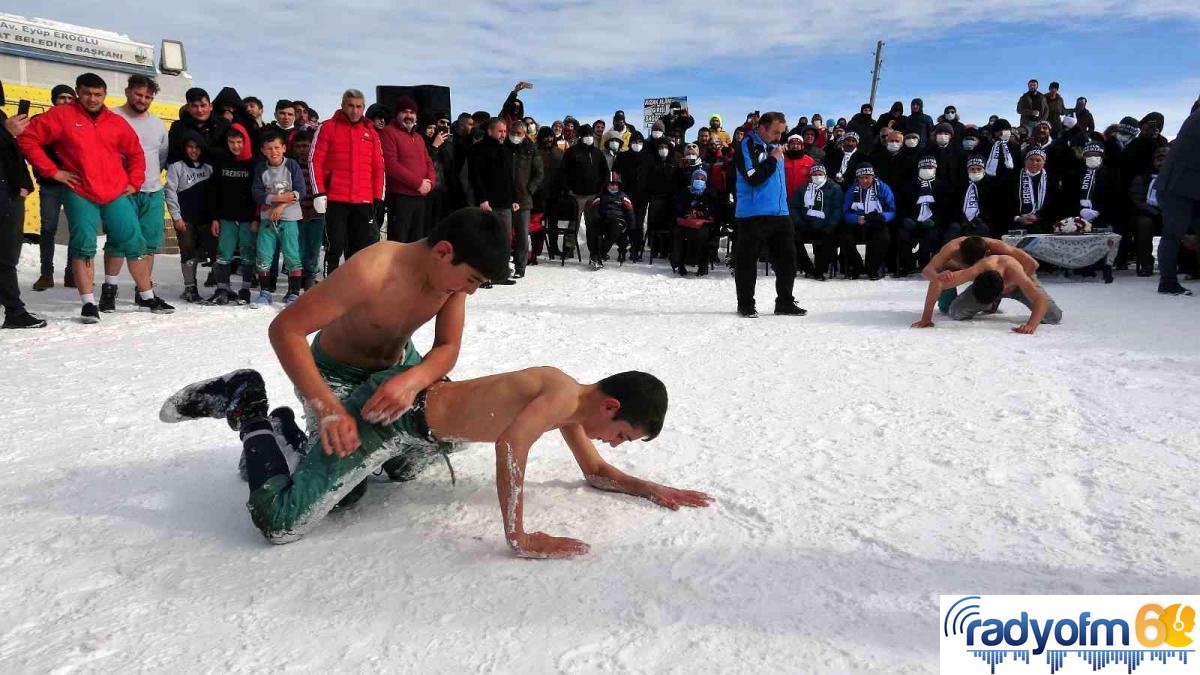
{"points": [[692, 159], [656, 134], [1093, 162], [1124, 139], [893, 147], [818, 181], [636, 147], [942, 140], [612, 190], [663, 152], [698, 186], [975, 176], [951, 116], [1005, 135], [911, 142], [515, 140], [588, 140], [927, 174], [614, 146], [970, 143]]}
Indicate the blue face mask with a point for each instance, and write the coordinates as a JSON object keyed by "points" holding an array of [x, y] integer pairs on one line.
{"points": [[698, 186]]}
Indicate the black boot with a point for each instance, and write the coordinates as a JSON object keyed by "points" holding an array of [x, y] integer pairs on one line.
{"points": [[108, 298], [234, 397]]}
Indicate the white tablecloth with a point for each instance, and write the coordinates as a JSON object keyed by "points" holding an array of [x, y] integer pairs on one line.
{"points": [[1070, 251]]}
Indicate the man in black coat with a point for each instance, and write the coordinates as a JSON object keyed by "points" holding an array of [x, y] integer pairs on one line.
{"points": [[678, 119], [1178, 188], [197, 116], [15, 186], [490, 169], [584, 172]]}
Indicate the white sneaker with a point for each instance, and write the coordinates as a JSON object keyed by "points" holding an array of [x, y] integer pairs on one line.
{"points": [[263, 299]]}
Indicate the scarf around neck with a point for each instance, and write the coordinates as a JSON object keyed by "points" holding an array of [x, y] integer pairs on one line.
{"points": [[971, 202], [1033, 192], [1000, 151], [924, 199], [814, 201]]}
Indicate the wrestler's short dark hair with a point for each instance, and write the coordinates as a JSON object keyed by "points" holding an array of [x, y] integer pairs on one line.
{"points": [[643, 399], [91, 81], [988, 287], [478, 238], [972, 250]]}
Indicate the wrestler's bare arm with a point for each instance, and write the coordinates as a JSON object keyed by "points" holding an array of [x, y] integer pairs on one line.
{"points": [[998, 247], [940, 261], [359, 280], [604, 476]]}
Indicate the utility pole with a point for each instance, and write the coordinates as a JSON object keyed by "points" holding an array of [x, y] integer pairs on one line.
{"points": [[875, 71]]}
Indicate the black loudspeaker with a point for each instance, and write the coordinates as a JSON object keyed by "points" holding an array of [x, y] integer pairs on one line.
{"points": [[431, 99]]}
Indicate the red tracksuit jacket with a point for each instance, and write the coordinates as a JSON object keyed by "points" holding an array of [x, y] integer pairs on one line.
{"points": [[104, 152]]}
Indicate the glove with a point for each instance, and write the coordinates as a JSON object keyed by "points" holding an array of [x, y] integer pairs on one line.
{"points": [[320, 203], [1089, 215]]}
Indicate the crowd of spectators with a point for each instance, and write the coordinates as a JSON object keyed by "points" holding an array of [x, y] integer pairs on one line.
{"points": [[299, 195]]}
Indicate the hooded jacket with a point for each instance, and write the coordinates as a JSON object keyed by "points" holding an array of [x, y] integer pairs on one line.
{"points": [[103, 151], [720, 132], [13, 173], [229, 190], [611, 207], [211, 131], [919, 123], [346, 161], [186, 193], [406, 160]]}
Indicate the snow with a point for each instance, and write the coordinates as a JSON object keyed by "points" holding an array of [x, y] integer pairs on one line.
{"points": [[860, 468]]}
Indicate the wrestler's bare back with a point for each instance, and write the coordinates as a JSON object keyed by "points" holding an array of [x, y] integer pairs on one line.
{"points": [[479, 410], [373, 332]]}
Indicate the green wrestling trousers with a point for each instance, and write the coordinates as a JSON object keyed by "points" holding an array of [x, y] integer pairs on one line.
{"points": [[287, 507]]}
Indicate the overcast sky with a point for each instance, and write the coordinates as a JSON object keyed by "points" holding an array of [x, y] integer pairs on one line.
{"points": [[590, 58]]}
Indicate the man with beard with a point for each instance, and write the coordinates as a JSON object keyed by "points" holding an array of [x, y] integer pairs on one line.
{"points": [[843, 161], [863, 123], [1032, 106], [148, 200], [409, 174], [102, 164], [1055, 109], [491, 173]]}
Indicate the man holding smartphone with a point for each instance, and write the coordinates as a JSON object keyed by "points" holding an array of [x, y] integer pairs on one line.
{"points": [[15, 186]]}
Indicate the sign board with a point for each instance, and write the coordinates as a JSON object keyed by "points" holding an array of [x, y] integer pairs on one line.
{"points": [[39, 38], [655, 108]]}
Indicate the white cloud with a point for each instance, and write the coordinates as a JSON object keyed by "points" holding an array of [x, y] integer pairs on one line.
{"points": [[314, 50]]}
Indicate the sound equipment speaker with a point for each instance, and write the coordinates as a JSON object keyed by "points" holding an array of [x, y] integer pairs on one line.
{"points": [[431, 99]]}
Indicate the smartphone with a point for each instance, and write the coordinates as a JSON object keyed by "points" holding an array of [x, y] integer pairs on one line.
{"points": [[23, 107]]}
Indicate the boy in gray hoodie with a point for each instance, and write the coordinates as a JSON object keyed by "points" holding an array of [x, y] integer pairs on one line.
{"points": [[278, 186], [187, 202]]}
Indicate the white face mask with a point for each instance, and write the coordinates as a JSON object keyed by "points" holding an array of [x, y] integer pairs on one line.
{"points": [[1005, 135], [656, 134], [588, 140], [663, 152], [942, 140], [927, 174], [970, 143], [1093, 162], [819, 181], [515, 140], [614, 146], [951, 116], [911, 142], [975, 176], [636, 147], [893, 147]]}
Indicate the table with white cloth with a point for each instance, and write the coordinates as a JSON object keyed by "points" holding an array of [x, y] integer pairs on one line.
{"points": [[1071, 251]]}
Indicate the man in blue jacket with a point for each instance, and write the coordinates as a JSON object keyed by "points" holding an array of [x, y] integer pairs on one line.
{"points": [[762, 217], [868, 208]]}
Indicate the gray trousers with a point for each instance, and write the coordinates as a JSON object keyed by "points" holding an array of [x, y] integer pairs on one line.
{"points": [[520, 223], [506, 218], [965, 306]]}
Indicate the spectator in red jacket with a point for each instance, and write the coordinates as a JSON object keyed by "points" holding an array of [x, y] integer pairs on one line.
{"points": [[796, 164], [102, 164], [346, 166], [410, 173]]}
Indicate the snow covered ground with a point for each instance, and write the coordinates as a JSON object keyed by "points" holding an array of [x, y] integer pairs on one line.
{"points": [[860, 469]]}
